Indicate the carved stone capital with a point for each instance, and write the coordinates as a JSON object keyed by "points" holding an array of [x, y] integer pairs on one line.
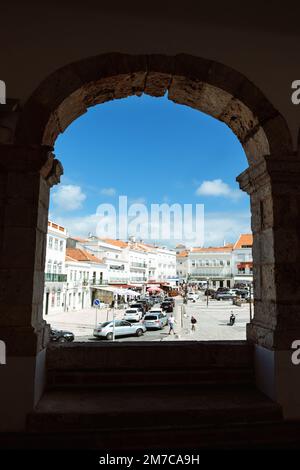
{"points": [[272, 170], [52, 170], [31, 159]]}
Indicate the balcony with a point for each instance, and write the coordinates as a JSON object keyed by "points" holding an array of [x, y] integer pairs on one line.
{"points": [[118, 280], [49, 277], [212, 271], [95, 282], [138, 265]]}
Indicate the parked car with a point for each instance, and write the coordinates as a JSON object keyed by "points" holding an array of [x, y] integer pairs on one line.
{"points": [[122, 328], [139, 306], [145, 303], [242, 293], [133, 314], [155, 319], [192, 296], [233, 292], [210, 292], [170, 299], [167, 306], [223, 289], [61, 336], [224, 296]]}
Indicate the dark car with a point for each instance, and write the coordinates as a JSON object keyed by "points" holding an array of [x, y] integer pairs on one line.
{"points": [[167, 306], [140, 306], [242, 293], [224, 296], [171, 300], [210, 292], [145, 304], [61, 336]]}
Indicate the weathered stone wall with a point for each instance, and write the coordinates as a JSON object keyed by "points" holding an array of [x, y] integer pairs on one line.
{"points": [[26, 175]]}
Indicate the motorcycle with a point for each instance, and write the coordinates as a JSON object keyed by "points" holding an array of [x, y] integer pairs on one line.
{"points": [[232, 319]]}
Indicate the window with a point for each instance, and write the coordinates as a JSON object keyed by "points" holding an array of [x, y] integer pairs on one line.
{"points": [[50, 242], [228, 263], [58, 298], [71, 275], [59, 268], [61, 245], [53, 298], [221, 262], [56, 244], [54, 267], [49, 266]]}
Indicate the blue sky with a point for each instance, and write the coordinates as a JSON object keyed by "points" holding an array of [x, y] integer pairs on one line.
{"points": [[153, 151]]}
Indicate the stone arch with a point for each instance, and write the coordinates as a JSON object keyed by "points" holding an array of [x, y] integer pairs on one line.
{"points": [[205, 85], [209, 87]]}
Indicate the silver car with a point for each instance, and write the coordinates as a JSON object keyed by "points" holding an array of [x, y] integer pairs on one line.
{"points": [[155, 319], [122, 328]]}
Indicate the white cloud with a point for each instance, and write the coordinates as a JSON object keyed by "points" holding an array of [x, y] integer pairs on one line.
{"points": [[108, 191], [218, 188], [68, 197], [80, 226], [225, 226]]}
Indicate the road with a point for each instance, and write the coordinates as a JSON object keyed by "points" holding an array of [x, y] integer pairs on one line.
{"points": [[212, 322]]}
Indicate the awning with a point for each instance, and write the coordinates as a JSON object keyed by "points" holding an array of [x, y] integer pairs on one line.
{"points": [[245, 264]]}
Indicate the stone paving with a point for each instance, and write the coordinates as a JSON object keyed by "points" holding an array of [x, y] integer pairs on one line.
{"points": [[212, 322]]}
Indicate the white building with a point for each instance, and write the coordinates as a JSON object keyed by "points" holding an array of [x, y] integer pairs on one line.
{"points": [[114, 254], [242, 259], [133, 262], [55, 271], [183, 265], [85, 274], [213, 264], [222, 266]]}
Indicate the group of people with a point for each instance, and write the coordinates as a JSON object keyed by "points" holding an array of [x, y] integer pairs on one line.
{"points": [[172, 321]]}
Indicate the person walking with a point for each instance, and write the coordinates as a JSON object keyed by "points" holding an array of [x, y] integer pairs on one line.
{"points": [[171, 322], [193, 323]]}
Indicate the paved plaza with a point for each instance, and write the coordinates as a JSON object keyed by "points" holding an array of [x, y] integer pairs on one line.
{"points": [[212, 322]]}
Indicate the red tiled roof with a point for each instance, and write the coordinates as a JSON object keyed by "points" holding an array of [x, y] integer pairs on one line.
{"points": [[213, 249], [182, 254], [78, 254], [245, 240], [119, 243]]}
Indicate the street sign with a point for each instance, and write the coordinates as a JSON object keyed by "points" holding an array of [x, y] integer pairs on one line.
{"points": [[97, 303]]}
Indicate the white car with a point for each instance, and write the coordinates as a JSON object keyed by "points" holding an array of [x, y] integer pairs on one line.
{"points": [[156, 310], [133, 314], [193, 297]]}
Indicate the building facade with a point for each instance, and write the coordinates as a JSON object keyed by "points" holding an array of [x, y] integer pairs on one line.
{"points": [[55, 269], [223, 266]]}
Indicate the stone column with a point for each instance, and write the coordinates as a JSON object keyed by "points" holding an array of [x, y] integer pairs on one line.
{"points": [[274, 189], [26, 175]]}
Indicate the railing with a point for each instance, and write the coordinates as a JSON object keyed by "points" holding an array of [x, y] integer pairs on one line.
{"points": [[95, 282], [211, 271], [138, 279], [138, 265], [49, 277]]}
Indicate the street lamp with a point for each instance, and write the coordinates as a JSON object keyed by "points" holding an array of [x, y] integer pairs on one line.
{"points": [[207, 286], [250, 301]]}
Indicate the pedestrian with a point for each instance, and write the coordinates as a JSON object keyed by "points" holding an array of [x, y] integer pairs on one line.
{"points": [[193, 322], [171, 322]]}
